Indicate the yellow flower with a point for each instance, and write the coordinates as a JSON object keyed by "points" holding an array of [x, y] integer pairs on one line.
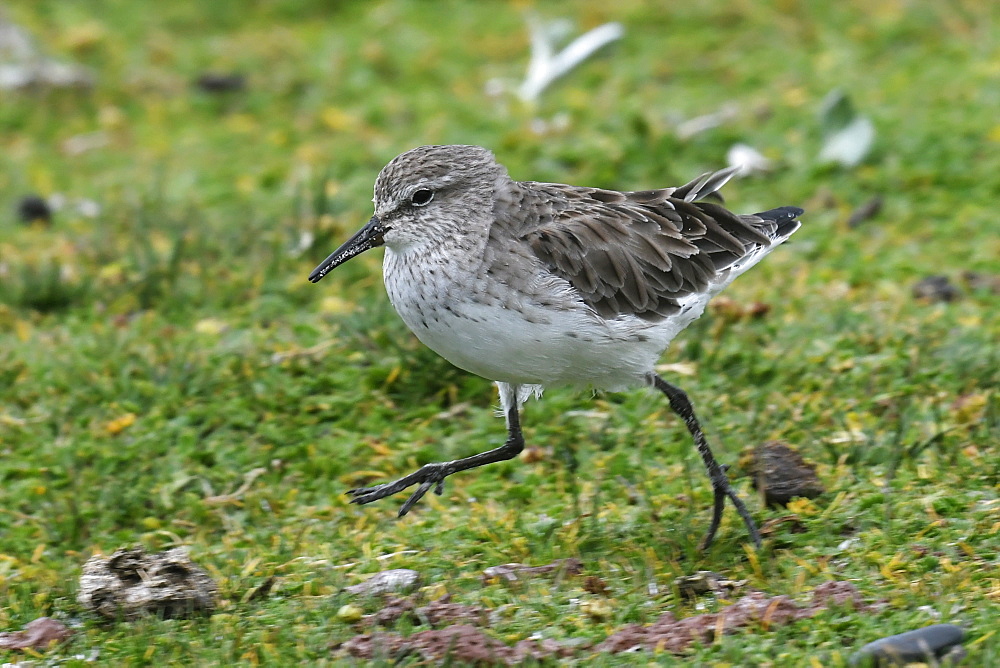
{"points": [[120, 424]]}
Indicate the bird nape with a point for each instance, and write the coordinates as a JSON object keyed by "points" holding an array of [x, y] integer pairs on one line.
{"points": [[537, 284]]}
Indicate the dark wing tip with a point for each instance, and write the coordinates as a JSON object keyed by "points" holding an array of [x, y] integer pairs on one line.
{"points": [[784, 218], [781, 214]]}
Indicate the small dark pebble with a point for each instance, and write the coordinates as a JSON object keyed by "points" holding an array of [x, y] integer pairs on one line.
{"points": [[781, 474], [33, 208], [936, 289], [929, 644], [218, 82]]}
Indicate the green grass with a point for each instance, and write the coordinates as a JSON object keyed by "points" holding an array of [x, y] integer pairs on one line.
{"points": [[154, 355]]}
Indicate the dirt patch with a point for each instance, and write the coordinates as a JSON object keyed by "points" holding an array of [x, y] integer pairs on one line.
{"points": [[435, 613], [465, 642], [669, 633], [460, 643]]}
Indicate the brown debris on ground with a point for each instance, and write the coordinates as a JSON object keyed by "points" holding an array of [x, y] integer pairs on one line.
{"points": [[781, 474], [704, 582], [513, 572], [464, 643], [676, 636], [131, 583], [841, 593], [461, 643], [38, 635], [395, 608], [441, 611], [595, 585]]}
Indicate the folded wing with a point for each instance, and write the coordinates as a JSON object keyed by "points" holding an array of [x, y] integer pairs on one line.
{"points": [[642, 252]]}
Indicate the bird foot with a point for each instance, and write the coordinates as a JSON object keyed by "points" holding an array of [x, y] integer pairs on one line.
{"points": [[723, 489], [427, 476]]}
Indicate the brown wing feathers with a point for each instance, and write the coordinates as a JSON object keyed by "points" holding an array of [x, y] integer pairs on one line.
{"points": [[642, 251]]}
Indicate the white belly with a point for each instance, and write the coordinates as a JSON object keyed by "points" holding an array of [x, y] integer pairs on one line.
{"points": [[500, 344], [515, 341]]}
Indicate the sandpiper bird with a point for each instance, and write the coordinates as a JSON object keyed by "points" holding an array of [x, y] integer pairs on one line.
{"points": [[540, 284]]}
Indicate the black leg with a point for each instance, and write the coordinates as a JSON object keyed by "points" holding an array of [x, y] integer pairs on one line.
{"points": [[681, 405], [433, 475]]}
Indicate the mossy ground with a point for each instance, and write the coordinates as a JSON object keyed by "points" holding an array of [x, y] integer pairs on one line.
{"points": [[151, 357]]}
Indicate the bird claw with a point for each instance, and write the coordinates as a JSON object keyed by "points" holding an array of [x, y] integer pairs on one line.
{"points": [[427, 476], [722, 490], [363, 495]]}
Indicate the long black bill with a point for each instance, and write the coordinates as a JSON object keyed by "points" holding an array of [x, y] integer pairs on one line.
{"points": [[366, 238]]}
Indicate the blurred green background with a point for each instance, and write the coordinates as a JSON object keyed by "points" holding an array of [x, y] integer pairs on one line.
{"points": [[159, 342]]}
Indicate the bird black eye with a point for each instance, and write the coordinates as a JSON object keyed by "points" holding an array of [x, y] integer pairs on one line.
{"points": [[422, 197]]}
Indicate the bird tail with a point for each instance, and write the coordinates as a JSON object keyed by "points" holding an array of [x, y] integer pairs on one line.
{"points": [[783, 221], [705, 186]]}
